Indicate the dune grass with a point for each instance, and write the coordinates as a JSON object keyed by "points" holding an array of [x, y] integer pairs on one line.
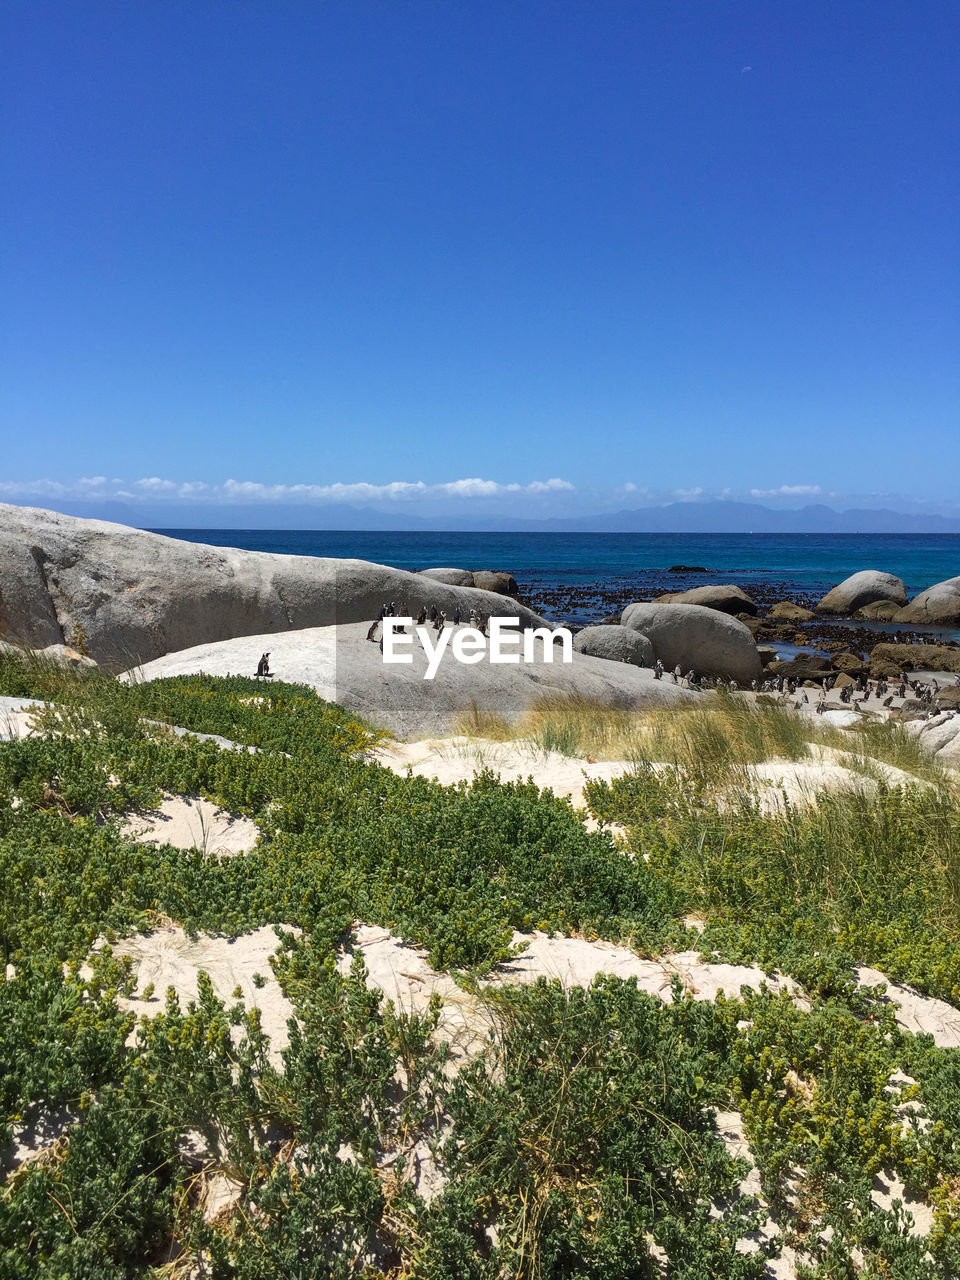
{"points": [[709, 742]]}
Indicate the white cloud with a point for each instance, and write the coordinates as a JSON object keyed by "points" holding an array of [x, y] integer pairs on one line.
{"points": [[231, 490], [788, 491]]}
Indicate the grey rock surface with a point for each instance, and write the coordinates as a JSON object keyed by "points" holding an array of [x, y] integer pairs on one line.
{"points": [[616, 644], [125, 596], [344, 667], [501, 584], [727, 597], [863, 588], [705, 640], [452, 577], [938, 606], [885, 610]]}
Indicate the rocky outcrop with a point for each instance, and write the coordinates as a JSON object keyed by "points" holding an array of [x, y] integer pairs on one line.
{"points": [[344, 667], [852, 663], [452, 577], [501, 584], [727, 598], [705, 640], [940, 736], [616, 644], [787, 611], [890, 659], [938, 606], [124, 596], [885, 610], [863, 588]]}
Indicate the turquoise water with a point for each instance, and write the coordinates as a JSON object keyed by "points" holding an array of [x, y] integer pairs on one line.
{"points": [[810, 562]]}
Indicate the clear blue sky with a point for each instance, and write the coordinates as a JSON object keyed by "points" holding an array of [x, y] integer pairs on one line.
{"points": [[672, 245]]}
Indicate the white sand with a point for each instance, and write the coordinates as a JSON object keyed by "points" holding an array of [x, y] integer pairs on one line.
{"points": [[401, 971], [917, 1013], [191, 822], [459, 759], [168, 958]]}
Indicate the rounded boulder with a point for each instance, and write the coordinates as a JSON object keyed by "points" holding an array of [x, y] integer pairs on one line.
{"points": [[616, 643], [863, 588], [704, 640], [726, 597], [938, 606], [452, 577], [502, 584]]}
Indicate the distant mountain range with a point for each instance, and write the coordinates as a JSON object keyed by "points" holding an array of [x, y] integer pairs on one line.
{"points": [[748, 517], [676, 517]]}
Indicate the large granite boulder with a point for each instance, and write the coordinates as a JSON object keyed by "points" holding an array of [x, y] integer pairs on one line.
{"points": [[938, 606], [863, 588], [501, 584], [727, 598], [616, 644], [452, 577], [705, 640], [124, 596], [344, 667]]}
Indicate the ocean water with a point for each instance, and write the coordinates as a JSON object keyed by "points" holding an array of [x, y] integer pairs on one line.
{"points": [[810, 563]]}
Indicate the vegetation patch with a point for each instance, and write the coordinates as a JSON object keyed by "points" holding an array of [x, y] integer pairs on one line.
{"points": [[580, 1139]]}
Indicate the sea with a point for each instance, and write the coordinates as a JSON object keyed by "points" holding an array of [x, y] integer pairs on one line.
{"points": [[574, 576]]}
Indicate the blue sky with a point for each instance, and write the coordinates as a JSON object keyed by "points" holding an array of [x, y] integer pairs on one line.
{"points": [[588, 254]]}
